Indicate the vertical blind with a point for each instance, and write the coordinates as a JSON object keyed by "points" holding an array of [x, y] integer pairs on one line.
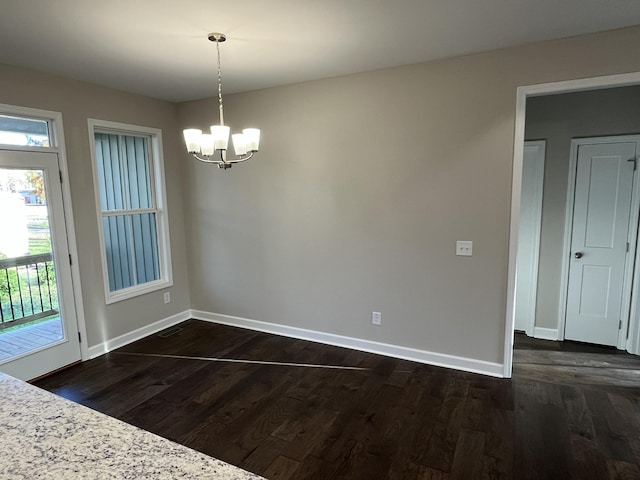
{"points": [[129, 213]]}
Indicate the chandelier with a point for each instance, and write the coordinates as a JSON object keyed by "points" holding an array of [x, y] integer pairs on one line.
{"points": [[203, 146]]}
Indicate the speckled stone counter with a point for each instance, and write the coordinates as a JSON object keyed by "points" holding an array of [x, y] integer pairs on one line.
{"points": [[45, 436]]}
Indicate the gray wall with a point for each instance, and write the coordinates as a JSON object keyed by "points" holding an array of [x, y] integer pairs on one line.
{"points": [[362, 187], [354, 204], [557, 119], [78, 101]]}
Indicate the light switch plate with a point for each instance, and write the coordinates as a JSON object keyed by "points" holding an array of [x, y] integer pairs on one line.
{"points": [[464, 248]]}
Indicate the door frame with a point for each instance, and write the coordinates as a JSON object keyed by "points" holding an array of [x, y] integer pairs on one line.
{"points": [[54, 120], [532, 291], [568, 231], [522, 92]]}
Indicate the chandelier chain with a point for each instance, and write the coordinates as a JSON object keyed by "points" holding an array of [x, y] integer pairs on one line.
{"points": [[219, 84]]}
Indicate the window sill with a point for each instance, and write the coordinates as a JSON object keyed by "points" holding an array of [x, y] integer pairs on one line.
{"points": [[138, 290]]}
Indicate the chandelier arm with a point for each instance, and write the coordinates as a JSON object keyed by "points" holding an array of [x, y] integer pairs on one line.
{"points": [[222, 161], [241, 159], [206, 159]]}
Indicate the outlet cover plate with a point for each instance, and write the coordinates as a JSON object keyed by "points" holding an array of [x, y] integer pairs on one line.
{"points": [[464, 248]]}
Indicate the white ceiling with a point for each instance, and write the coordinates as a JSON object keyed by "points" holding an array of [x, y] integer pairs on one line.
{"points": [[159, 47]]}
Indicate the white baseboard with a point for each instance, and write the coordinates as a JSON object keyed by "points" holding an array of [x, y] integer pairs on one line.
{"points": [[397, 351], [546, 333], [137, 334]]}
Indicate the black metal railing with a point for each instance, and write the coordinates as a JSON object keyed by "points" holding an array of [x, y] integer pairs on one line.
{"points": [[27, 289]]}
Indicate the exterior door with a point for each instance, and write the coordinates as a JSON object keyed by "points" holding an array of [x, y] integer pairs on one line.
{"points": [[529, 236], [38, 324], [601, 216]]}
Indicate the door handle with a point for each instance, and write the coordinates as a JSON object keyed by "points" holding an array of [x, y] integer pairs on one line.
{"points": [[578, 254]]}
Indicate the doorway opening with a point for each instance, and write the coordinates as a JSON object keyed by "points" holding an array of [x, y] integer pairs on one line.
{"points": [[550, 306]]}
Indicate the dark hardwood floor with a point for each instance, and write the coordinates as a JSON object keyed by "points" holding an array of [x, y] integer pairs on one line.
{"points": [[577, 410], [570, 412]]}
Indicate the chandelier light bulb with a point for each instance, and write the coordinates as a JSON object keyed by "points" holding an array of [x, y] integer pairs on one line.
{"points": [[207, 145], [192, 139], [252, 137], [220, 136], [239, 143]]}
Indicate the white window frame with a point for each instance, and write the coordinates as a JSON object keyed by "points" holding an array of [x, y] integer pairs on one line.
{"points": [[54, 124], [162, 217]]}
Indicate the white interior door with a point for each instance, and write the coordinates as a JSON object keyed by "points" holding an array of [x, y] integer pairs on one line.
{"points": [[529, 236], [601, 216], [38, 328]]}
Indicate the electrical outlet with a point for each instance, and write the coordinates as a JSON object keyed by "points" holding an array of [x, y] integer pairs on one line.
{"points": [[464, 248], [376, 318], [167, 297]]}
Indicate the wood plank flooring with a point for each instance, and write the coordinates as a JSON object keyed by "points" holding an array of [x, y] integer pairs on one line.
{"points": [[578, 407], [393, 419]]}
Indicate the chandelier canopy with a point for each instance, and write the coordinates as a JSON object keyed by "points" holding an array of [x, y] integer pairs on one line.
{"points": [[203, 146]]}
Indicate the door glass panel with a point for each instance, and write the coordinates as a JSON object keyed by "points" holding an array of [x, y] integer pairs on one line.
{"points": [[29, 309]]}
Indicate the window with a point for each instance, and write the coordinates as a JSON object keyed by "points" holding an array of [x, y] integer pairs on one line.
{"points": [[130, 196], [22, 131]]}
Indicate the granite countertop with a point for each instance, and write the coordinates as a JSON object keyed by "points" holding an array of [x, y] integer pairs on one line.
{"points": [[46, 436]]}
